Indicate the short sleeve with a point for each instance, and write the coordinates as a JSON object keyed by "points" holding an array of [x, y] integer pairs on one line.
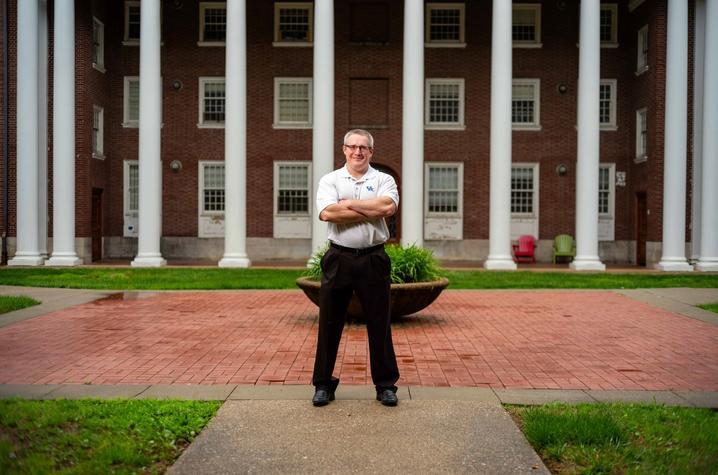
{"points": [[326, 193], [387, 187]]}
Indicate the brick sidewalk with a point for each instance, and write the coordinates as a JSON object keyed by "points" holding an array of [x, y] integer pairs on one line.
{"points": [[501, 339]]}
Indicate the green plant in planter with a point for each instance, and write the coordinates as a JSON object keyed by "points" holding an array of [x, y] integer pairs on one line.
{"points": [[408, 264]]}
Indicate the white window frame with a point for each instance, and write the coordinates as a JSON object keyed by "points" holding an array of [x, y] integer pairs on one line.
{"points": [[536, 124], [277, 166], [535, 190], [428, 125], [460, 197], [98, 30], [641, 154], [202, 164], [202, 7], [310, 34], [129, 214], [126, 121], [127, 40], [277, 124], [461, 42], [536, 43], [611, 125], [613, 43], [203, 80], [611, 190], [292, 225], [642, 42], [99, 140]]}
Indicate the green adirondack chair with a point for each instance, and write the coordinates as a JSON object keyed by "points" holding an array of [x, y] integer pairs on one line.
{"points": [[563, 246]]}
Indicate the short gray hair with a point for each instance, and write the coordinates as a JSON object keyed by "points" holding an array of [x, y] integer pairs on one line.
{"points": [[361, 132]]}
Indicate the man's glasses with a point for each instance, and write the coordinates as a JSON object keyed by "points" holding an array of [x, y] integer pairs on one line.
{"points": [[361, 148]]}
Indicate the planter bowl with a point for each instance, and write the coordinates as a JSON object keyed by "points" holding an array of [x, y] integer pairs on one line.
{"points": [[405, 298]]}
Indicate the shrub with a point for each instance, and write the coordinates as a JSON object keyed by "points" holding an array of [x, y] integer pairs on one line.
{"points": [[408, 264]]}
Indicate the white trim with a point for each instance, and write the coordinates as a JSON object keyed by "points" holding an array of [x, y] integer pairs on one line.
{"points": [[127, 41], [203, 81], [202, 7], [611, 125], [641, 40], [536, 7], [277, 124], [126, 121], [613, 43], [460, 124], [607, 221], [99, 27], [459, 166], [535, 184], [641, 155], [310, 32], [277, 166], [201, 164], [536, 124], [291, 225], [130, 217], [99, 143], [461, 42]]}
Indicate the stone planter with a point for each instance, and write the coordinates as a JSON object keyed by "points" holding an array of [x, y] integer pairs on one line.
{"points": [[405, 298]]}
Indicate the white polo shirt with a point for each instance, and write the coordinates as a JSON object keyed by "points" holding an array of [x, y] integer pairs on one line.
{"points": [[340, 185]]}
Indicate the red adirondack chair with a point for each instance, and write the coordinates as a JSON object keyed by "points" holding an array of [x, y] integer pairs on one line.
{"points": [[525, 249]]}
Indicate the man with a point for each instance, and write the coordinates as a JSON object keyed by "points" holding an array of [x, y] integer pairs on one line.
{"points": [[355, 200]]}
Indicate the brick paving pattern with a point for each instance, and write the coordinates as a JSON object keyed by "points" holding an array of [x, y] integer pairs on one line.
{"points": [[500, 339]]}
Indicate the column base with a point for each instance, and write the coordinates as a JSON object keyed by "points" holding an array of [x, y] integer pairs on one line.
{"points": [[65, 260], [149, 261], [500, 263], [590, 264], [235, 261], [26, 259], [674, 265], [706, 265]]}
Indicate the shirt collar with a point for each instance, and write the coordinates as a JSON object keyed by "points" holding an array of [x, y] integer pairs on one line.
{"points": [[369, 173]]}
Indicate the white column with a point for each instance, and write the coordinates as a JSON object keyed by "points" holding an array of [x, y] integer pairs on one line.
{"points": [[709, 204], [63, 137], [27, 251], [675, 142], [698, 71], [42, 65], [500, 188], [235, 138], [323, 112], [412, 136], [589, 80], [150, 165]]}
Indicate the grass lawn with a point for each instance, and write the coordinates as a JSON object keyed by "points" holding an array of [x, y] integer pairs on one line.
{"points": [[8, 303], [621, 438], [178, 278], [712, 307], [96, 436]]}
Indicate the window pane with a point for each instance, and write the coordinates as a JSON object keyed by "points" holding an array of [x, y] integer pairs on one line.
{"points": [[445, 24], [603, 190], [444, 103], [133, 22], [443, 190], [606, 25], [522, 189], [524, 25], [522, 104], [294, 102], [293, 192], [133, 187], [293, 24], [134, 100], [215, 24], [605, 104], [213, 102], [213, 187]]}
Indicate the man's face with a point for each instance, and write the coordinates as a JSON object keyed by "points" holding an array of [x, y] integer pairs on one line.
{"points": [[358, 153]]}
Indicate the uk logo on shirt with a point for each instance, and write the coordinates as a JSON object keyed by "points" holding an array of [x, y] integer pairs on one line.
{"points": [[370, 188]]}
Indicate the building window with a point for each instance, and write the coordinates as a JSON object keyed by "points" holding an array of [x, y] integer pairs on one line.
{"points": [[607, 104], [526, 25], [212, 23], [605, 190], [132, 186], [211, 102], [444, 104], [131, 110], [641, 135], [293, 24], [211, 180], [642, 53], [98, 45], [525, 104], [444, 184], [98, 125], [523, 189], [291, 188], [444, 24], [292, 103], [609, 24], [132, 22]]}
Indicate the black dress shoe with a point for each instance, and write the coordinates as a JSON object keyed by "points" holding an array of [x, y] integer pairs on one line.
{"points": [[322, 397], [387, 397]]}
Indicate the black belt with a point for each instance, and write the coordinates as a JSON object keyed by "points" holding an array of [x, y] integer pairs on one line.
{"points": [[357, 252]]}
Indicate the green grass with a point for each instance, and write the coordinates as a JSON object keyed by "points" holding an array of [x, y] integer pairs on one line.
{"points": [[8, 303], [711, 307], [96, 436], [179, 278], [622, 438]]}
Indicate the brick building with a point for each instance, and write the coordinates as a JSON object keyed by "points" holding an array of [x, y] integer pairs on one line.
{"points": [[476, 108]]}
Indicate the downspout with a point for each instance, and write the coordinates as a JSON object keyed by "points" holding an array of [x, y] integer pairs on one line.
{"points": [[5, 131]]}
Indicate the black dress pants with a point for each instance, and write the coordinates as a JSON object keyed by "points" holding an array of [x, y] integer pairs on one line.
{"points": [[343, 273]]}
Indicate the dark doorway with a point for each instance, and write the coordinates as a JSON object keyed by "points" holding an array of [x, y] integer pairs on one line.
{"points": [[96, 224], [393, 222], [641, 227]]}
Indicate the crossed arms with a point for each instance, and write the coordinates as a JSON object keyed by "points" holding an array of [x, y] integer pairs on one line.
{"points": [[357, 211]]}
